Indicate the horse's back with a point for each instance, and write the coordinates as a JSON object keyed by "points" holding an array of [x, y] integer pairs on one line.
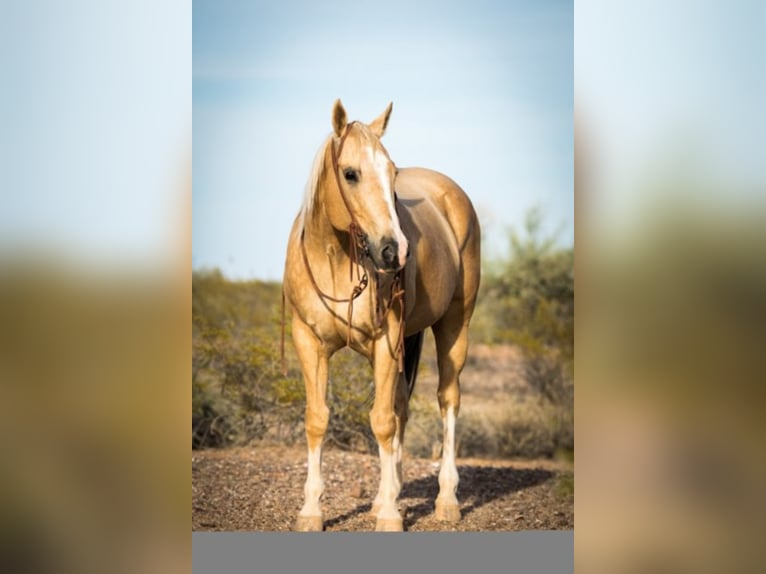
{"points": [[417, 183], [414, 184]]}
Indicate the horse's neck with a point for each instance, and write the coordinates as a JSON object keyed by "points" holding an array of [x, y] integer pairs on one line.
{"points": [[333, 272], [325, 243]]}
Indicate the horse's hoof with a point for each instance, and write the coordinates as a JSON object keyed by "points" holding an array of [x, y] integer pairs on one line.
{"points": [[389, 525], [308, 524], [448, 512]]}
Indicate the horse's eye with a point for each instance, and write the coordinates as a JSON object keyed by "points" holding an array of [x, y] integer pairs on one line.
{"points": [[351, 175]]}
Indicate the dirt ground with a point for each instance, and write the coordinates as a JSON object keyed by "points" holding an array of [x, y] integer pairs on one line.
{"points": [[261, 488]]}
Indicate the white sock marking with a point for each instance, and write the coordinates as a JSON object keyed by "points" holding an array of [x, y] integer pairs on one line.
{"points": [[448, 477], [314, 484]]}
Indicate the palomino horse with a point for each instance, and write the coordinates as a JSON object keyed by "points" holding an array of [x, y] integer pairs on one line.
{"points": [[376, 256]]}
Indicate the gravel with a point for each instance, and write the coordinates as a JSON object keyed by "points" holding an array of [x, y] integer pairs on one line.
{"points": [[260, 488]]}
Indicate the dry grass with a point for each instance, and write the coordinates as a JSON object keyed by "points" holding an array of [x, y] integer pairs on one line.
{"points": [[501, 415], [510, 429]]}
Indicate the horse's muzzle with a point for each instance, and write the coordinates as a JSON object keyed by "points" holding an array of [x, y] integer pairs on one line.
{"points": [[386, 257]]}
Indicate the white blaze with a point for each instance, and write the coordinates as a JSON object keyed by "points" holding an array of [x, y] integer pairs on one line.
{"points": [[380, 164]]}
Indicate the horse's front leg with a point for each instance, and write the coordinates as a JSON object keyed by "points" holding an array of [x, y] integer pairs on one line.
{"points": [[387, 426], [314, 364]]}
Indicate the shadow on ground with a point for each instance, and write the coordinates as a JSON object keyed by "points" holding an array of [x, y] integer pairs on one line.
{"points": [[479, 485]]}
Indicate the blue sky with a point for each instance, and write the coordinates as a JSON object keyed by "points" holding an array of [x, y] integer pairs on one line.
{"points": [[95, 128], [482, 91]]}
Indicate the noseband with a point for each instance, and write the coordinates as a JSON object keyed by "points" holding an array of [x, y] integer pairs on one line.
{"points": [[357, 246]]}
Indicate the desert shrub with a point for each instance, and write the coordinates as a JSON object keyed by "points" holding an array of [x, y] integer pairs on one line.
{"points": [[476, 435], [526, 432], [527, 429], [530, 429], [524, 429], [349, 397], [423, 435], [239, 393], [237, 386], [527, 299]]}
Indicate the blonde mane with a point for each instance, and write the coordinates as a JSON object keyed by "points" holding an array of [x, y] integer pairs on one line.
{"points": [[312, 185]]}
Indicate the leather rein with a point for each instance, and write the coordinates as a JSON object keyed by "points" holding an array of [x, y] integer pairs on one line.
{"points": [[358, 248]]}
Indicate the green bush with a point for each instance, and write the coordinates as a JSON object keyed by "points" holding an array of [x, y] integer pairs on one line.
{"points": [[350, 394], [238, 391]]}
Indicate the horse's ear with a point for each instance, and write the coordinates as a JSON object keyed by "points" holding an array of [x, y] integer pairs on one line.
{"points": [[378, 125], [338, 118]]}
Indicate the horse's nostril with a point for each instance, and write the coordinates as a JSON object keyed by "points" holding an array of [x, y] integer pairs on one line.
{"points": [[388, 253]]}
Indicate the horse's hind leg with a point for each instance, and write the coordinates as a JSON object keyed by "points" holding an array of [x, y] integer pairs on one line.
{"points": [[401, 410], [314, 363], [451, 335]]}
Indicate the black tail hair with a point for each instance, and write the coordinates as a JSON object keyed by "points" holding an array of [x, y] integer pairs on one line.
{"points": [[412, 347]]}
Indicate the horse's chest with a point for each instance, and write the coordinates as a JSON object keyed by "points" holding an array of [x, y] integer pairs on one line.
{"points": [[329, 320]]}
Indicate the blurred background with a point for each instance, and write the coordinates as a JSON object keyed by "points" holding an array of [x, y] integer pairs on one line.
{"points": [[95, 234], [670, 195], [95, 178]]}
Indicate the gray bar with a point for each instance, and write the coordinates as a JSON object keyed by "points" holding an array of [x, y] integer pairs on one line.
{"points": [[546, 552]]}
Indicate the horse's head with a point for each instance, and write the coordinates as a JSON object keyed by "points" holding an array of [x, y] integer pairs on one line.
{"points": [[363, 180]]}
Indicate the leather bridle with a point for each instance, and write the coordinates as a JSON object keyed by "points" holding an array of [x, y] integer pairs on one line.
{"points": [[357, 246]]}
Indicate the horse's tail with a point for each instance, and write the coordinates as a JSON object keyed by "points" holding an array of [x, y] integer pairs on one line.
{"points": [[412, 347]]}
